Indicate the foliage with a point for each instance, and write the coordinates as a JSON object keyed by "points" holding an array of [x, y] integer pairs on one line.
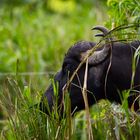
{"points": [[25, 32], [34, 38], [125, 11], [28, 122]]}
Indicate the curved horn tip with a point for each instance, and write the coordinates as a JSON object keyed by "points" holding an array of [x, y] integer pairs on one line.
{"points": [[99, 35], [101, 28], [97, 27]]}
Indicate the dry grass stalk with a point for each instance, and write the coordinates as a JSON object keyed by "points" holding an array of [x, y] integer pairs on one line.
{"points": [[84, 92]]}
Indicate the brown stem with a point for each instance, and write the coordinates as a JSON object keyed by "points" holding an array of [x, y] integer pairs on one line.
{"points": [[84, 92]]}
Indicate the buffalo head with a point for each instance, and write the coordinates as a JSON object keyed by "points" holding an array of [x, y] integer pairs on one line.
{"points": [[103, 80]]}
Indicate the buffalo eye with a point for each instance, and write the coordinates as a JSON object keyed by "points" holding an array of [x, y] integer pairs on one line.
{"points": [[70, 66], [66, 67]]}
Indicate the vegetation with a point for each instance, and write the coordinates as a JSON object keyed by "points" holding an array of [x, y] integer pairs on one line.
{"points": [[125, 11], [34, 38]]}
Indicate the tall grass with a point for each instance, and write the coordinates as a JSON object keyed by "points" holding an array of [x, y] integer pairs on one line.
{"points": [[107, 121], [30, 41], [28, 122]]}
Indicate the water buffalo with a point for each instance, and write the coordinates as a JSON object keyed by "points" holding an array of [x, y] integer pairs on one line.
{"points": [[109, 74]]}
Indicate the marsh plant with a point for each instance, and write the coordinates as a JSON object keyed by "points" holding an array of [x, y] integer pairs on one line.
{"points": [[27, 48], [102, 121]]}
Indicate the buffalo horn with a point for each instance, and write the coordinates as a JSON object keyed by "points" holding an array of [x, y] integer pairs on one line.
{"points": [[104, 30], [98, 56]]}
